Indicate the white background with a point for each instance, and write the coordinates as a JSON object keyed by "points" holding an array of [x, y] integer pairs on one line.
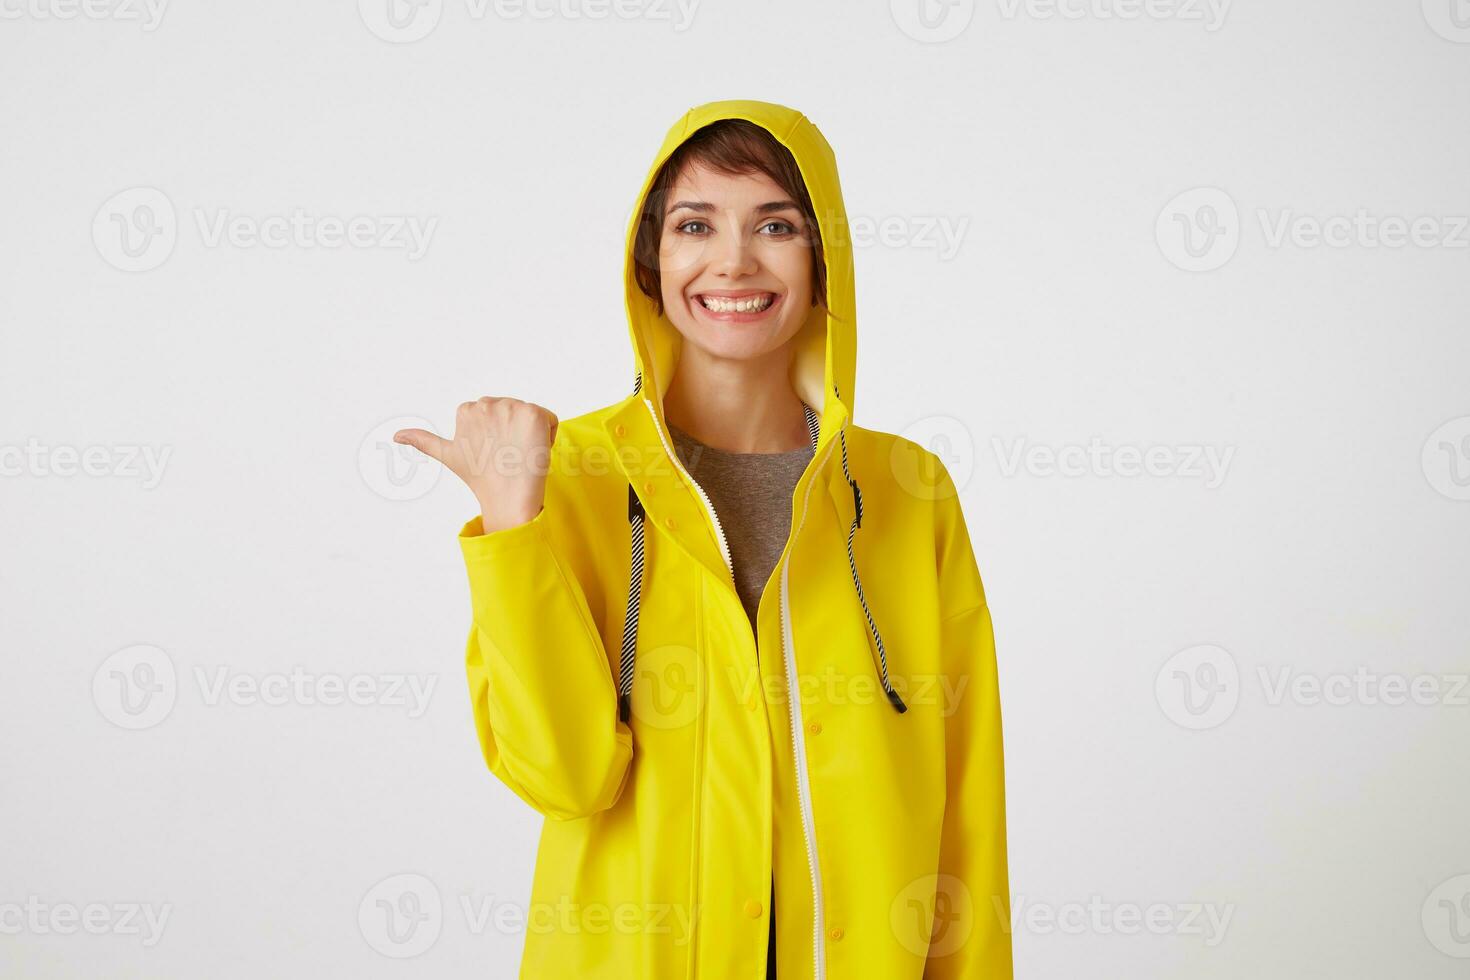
{"points": [[1337, 540]]}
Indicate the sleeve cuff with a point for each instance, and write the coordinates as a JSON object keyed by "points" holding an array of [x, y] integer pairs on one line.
{"points": [[475, 543]]}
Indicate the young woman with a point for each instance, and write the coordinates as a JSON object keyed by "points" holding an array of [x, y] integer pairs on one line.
{"points": [[732, 645]]}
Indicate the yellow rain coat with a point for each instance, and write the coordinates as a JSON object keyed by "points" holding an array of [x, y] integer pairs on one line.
{"points": [[881, 817]]}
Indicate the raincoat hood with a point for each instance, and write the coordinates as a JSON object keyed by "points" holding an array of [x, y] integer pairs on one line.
{"points": [[825, 361]]}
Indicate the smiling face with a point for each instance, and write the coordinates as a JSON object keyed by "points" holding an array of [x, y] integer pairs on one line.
{"points": [[735, 262]]}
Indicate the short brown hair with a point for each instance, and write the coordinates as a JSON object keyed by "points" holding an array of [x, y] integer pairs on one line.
{"points": [[729, 146]]}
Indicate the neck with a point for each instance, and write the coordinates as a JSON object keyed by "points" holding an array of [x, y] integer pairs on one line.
{"points": [[738, 406]]}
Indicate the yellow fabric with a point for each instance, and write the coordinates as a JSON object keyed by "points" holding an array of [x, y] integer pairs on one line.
{"points": [[662, 834]]}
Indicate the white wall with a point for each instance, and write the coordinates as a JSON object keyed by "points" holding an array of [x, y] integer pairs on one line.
{"points": [[1331, 541]]}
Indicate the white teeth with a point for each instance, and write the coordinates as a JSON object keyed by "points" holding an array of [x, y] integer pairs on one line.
{"points": [[749, 304]]}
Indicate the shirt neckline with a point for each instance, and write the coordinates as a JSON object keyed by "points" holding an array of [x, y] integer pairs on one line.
{"points": [[680, 434]]}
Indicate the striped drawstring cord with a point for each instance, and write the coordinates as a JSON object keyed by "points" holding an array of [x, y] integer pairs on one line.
{"points": [[857, 522], [637, 519]]}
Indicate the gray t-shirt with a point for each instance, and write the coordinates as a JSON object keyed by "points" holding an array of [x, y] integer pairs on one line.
{"points": [[751, 494]]}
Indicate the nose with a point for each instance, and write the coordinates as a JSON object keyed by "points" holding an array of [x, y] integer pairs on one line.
{"points": [[731, 253]]}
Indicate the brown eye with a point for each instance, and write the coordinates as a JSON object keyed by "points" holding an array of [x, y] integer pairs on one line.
{"points": [[688, 227]]}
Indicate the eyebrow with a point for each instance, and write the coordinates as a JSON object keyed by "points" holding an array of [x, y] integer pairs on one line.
{"points": [[704, 207]]}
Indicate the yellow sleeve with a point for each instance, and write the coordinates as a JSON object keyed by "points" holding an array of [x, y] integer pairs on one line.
{"points": [[973, 888], [542, 690]]}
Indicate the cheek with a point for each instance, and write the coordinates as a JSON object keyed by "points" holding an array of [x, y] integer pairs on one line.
{"points": [[679, 259], [792, 264]]}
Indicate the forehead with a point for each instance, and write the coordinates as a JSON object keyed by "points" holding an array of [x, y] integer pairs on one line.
{"points": [[699, 183]]}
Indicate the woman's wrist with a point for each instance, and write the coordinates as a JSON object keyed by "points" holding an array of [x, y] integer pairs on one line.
{"points": [[500, 518]]}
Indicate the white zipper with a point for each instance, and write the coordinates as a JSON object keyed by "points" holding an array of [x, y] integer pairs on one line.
{"points": [[719, 530], [798, 742]]}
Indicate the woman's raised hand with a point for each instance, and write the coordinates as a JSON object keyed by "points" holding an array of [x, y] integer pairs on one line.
{"points": [[501, 450]]}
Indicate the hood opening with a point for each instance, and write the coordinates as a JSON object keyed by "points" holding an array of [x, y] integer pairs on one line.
{"points": [[824, 362]]}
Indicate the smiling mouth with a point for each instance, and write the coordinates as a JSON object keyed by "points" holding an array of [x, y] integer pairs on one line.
{"points": [[727, 305]]}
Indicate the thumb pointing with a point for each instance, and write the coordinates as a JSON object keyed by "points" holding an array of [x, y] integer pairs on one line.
{"points": [[424, 441]]}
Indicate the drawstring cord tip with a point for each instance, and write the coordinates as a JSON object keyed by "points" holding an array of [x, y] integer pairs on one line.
{"points": [[896, 701], [624, 708]]}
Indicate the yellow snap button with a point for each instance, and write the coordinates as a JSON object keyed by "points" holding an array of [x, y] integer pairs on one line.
{"points": [[648, 486], [752, 908], [836, 934], [620, 429], [815, 728], [669, 523]]}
